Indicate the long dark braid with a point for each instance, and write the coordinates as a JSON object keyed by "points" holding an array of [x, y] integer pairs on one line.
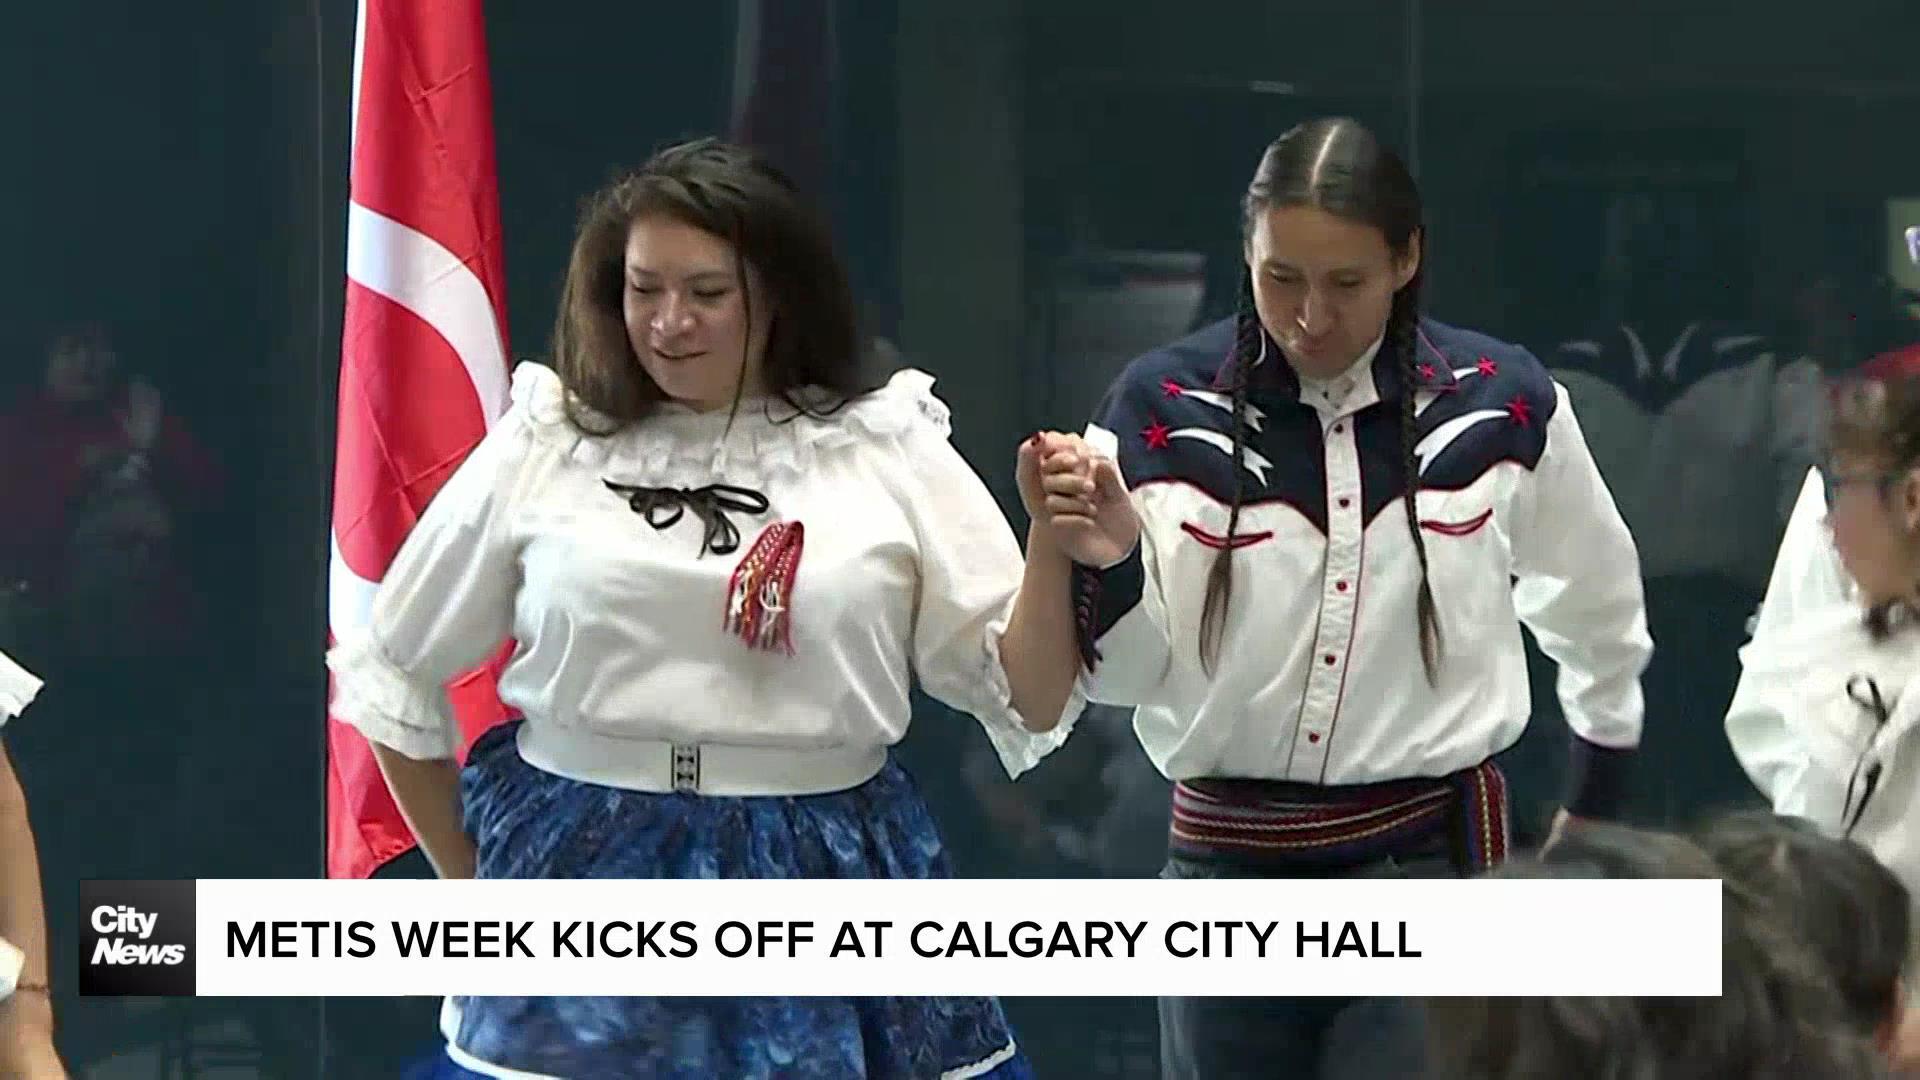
{"points": [[1403, 336], [1247, 342]]}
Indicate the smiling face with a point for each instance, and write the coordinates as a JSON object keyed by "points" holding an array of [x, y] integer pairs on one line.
{"points": [[1324, 285], [690, 316]]}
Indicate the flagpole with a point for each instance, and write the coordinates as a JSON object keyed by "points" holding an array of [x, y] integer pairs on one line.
{"points": [[420, 326], [323, 398]]}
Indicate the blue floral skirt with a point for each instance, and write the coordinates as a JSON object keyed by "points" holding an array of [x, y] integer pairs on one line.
{"points": [[528, 823]]}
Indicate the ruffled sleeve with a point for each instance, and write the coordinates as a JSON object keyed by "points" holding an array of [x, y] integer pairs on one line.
{"points": [[446, 603], [18, 687], [970, 571]]}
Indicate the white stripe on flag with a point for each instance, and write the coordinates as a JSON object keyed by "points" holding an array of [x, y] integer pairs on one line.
{"points": [[349, 596], [415, 271]]}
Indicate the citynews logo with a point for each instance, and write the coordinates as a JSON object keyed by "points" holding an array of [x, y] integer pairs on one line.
{"points": [[136, 938]]}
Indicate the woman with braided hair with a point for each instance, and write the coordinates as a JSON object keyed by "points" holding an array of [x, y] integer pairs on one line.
{"points": [[1305, 540]]}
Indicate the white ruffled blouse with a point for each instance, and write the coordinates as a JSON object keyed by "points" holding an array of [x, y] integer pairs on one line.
{"points": [[907, 567], [1847, 754], [18, 686]]}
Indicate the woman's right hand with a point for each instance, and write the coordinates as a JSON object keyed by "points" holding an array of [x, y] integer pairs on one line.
{"points": [[1079, 497], [456, 862], [427, 791]]}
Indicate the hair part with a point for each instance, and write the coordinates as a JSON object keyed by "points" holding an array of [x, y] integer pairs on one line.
{"points": [[1833, 896], [726, 190], [1338, 166]]}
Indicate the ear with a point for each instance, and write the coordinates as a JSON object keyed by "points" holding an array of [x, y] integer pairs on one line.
{"points": [[1891, 1032], [1409, 265]]}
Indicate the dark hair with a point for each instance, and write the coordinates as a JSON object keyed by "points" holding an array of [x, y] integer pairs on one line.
{"points": [[1621, 852], [1777, 1016], [1876, 415], [81, 335], [1833, 896], [734, 194], [1338, 166]]}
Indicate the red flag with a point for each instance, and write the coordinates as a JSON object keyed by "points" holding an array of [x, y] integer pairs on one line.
{"points": [[423, 368]]}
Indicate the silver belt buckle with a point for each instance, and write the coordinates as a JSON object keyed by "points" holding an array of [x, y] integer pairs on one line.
{"points": [[686, 769]]}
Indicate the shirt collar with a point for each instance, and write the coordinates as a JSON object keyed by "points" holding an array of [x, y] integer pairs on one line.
{"points": [[1336, 391], [1273, 375]]}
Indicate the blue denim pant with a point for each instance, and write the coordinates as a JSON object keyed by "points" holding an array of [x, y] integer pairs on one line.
{"points": [[1218, 1038]]}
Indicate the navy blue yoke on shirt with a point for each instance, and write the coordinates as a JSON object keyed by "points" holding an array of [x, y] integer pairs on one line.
{"points": [[1319, 677]]}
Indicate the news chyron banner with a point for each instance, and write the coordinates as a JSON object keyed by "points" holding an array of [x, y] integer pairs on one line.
{"points": [[1021, 938]]}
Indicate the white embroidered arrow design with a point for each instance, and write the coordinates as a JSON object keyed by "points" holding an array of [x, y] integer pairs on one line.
{"points": [[1224, 403], [1443, 436], [1249, 457]]}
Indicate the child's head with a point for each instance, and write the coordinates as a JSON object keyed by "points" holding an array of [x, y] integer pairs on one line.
{"points": [[1777, 1016], [1831, 895], [1872, 478]]}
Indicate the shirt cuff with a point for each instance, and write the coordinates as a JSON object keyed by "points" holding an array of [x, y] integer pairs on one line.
{"points": [[1102, 597], [12, 963], [18, 687], [386, 705], [1597, 779]]}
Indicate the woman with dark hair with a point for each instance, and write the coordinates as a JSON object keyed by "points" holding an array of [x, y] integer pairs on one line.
{"points": [[26, 1005], [1777, 1016], [1302, 572], [723, 560]]}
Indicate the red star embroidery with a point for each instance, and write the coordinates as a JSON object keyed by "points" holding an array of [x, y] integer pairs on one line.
{"points": [[1172, 389], [1426, 372], [1521, 412], [1156, 435], [1488, 367]]}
